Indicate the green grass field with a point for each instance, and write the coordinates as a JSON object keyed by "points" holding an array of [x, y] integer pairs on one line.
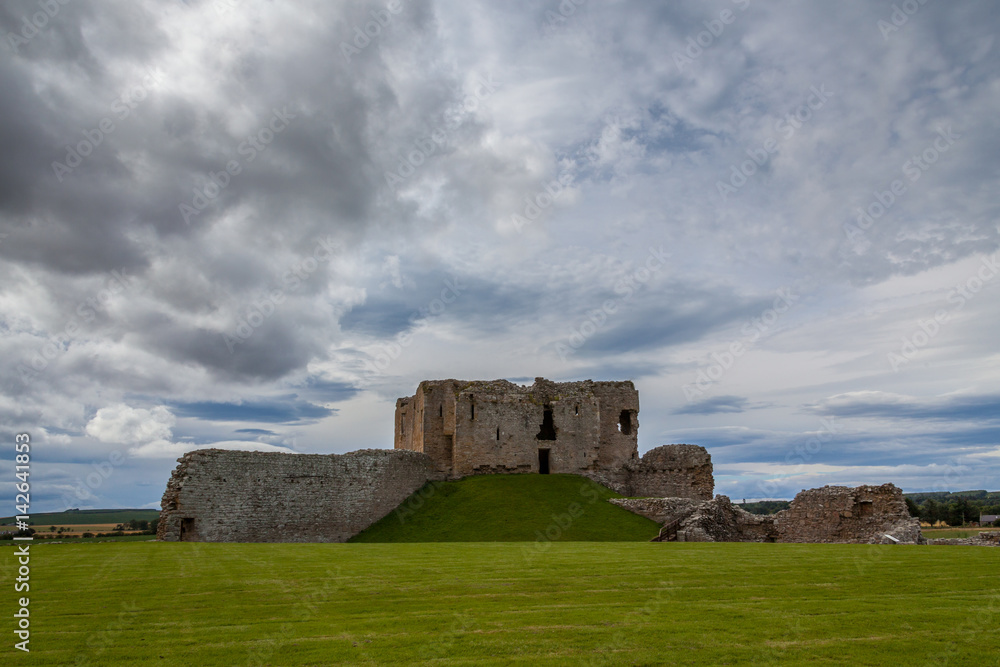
{"points": [[152, 603], [82, 517], [511, 508]]}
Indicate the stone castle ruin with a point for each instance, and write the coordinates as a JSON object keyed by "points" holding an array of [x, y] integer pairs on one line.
{"points": [[451, 429], [447, 430], [584, 428]]}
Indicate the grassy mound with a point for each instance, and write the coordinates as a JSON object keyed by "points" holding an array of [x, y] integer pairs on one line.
{"points": [[511, 508]]}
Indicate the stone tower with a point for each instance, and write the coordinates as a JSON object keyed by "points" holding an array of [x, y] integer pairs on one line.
{"points": [[483, 427]]}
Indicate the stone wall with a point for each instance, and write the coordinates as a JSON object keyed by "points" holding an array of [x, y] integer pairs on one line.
{"points": [[673, 471], [219, 495], [496, 426], [863, 514]]}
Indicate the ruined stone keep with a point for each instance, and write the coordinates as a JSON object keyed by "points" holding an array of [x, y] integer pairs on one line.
{"points": [[585, 428], [482, 427]]}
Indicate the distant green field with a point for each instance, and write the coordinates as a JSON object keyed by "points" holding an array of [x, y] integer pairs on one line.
{"points": [[597, 603], [78, 517], [511, 508]]}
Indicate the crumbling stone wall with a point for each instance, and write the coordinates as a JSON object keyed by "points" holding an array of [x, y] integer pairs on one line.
{"points": [[718, 520], [668, 471], [863, 514], [219, 495], [660, 510], [484, 427], [673, 471]]}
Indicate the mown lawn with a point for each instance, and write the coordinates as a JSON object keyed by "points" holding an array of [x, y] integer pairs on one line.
{"points": [[151, 603]]}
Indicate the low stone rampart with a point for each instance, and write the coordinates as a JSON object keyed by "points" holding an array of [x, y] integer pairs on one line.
{"points": [[217, 495]]}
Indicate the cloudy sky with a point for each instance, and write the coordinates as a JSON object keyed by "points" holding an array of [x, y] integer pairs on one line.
{"points": [[255, 224]]}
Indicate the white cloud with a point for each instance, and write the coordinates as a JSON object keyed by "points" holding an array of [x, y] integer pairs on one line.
{"points": [[123, 425]]}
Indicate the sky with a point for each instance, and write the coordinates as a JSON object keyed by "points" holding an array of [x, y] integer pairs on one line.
{"points": [[254, 225]]}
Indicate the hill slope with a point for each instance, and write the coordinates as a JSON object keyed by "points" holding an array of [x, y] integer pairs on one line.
{"points": [[511, 508]]}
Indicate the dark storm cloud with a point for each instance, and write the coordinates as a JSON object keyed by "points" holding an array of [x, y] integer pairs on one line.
{"points": [[964, 409], [281, 410], [470, 301], [678, 313]]}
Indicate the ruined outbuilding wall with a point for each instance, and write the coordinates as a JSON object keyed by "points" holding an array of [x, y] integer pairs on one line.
{"points": [[863, 514], [219, 495], [673, 471], [488, 427], [833, 514]]}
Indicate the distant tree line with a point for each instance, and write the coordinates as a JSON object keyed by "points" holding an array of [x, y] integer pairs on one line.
{"points": [[955, 511], [766, 506]]}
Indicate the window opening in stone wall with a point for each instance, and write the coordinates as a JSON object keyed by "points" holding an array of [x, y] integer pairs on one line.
{"points": [[440, 411], [543, 462], [577, 409], [625, 422], [548, 429], [472, 413], [866, 508], [498, 434]]}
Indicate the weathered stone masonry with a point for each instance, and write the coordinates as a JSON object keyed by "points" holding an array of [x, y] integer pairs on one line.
{"points": [[482, 427], [216, 495], [586, 428], [863, 514]]}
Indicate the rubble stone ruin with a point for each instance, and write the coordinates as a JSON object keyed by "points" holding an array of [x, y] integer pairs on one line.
{"points": [[863, 514]]}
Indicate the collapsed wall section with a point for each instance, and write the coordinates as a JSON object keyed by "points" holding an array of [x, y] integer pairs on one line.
{"points": [[862, 514], [219, 495], [832, 514]]}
